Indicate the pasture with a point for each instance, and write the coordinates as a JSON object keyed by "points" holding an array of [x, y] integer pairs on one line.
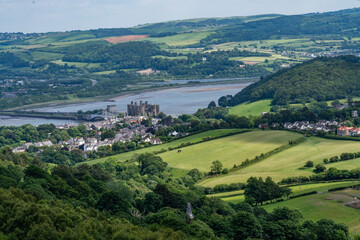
{"points": [[181, 39], [327, 205], [297, 190], [192, 139], [287, 163], [229, 150], [251, 108]]}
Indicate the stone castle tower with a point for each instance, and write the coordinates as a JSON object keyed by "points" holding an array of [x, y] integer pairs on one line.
{"points": [[143, 109]]}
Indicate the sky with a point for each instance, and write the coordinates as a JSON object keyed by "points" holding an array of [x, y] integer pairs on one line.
{"points": [[65, 15]]}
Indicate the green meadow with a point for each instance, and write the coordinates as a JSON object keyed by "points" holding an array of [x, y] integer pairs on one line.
{"points": [[181, 39], [326, 205], [251, 108], [229, 150], [287, 163], [192, 139], [297, 190]]}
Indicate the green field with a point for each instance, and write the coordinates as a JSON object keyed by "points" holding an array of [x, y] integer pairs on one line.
{"points": [[288, 162], [229, 150], [77, 64], [181, 39], [227, 194], [192, 139], [38, 55], [306, 188], [327, 205], [251, 109]]}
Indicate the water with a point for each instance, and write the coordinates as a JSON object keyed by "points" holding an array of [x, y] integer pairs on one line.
{"points": [[174, 102], [182, 82], [19, 121]]}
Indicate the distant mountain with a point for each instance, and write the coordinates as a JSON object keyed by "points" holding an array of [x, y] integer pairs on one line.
{"points": [[319, 79]]}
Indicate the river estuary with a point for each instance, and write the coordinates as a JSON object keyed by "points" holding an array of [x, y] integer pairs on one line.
{"points": [[174, 101]]}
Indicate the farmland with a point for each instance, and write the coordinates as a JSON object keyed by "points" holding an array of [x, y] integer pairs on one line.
{"points": [[300, 189], [251, 109], [125, 38], [326, 205], [181, 39], [230, 150], [288, 162], [192, 139]]}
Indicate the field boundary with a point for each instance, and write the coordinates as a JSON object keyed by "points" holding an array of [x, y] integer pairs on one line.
{"points": [[258, 159]]}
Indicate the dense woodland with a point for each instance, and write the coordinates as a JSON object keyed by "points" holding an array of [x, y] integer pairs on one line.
{"points": [[321, 79], [135, 201]]}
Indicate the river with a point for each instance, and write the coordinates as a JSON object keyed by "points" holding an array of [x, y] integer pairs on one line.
{"points": [[174, 101]]}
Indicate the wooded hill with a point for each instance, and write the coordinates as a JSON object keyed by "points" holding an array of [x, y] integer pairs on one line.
{"points": [[296, 25], [321, 79]]}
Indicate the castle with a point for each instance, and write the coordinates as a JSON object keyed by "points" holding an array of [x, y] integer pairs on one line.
{"points": [[143, 109]]}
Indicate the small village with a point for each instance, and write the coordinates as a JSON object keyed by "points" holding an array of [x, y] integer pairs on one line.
{"points": [[131, 130]]}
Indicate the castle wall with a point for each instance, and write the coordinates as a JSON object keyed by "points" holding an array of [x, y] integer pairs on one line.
{"points": [[144, 109]]}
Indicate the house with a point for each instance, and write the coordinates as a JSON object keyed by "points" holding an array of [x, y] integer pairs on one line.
{"points": [[264, 126], [174, 133], [146, 140], [155, 141], [19, 149], [354, 114], [275, 125], [348, 131]]}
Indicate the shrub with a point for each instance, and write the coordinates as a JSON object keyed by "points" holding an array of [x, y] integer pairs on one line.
{"points": [[309, 164], [319, 168]]}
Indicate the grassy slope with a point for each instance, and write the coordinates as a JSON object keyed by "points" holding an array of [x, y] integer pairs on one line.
{"points": [[319, 187], [230, 150], [328, 205], [193, 139], [254, 108], [286, 163], [181, 39]]}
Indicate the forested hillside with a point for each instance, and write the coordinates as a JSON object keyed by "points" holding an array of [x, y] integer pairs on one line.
{"points": [[320, 79], [346, 22]]}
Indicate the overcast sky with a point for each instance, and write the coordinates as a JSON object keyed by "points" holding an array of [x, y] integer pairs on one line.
{"points": [[63, 15]]}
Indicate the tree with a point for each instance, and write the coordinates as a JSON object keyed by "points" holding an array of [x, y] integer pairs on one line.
{"points": [[309, 164], [245, 226], [216, 167], [150, 164], [319, 168], [212, 104]]}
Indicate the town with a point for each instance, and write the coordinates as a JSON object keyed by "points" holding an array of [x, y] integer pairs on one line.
{"points": [[131, 129]]}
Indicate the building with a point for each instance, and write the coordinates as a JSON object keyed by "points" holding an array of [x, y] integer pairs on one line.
{"points": [[143, 109], [348, 131], [354, 114], [111, 108]]}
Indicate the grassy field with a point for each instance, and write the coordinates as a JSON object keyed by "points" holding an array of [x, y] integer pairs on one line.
{"points": [[170, 58], [105, 72], [38, 55], [327, 205], [181, 39], [77, 64], [253, 109], [193, 139], [288, 162], [227, 194], [319, 187], [229, 150]]}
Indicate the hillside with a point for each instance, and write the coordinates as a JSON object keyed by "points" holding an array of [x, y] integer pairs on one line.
{"points": [[321, 79], [309, 24], [58, 66]]}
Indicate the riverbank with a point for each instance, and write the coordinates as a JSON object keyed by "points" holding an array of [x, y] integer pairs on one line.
{"points": [[113, 97]]}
